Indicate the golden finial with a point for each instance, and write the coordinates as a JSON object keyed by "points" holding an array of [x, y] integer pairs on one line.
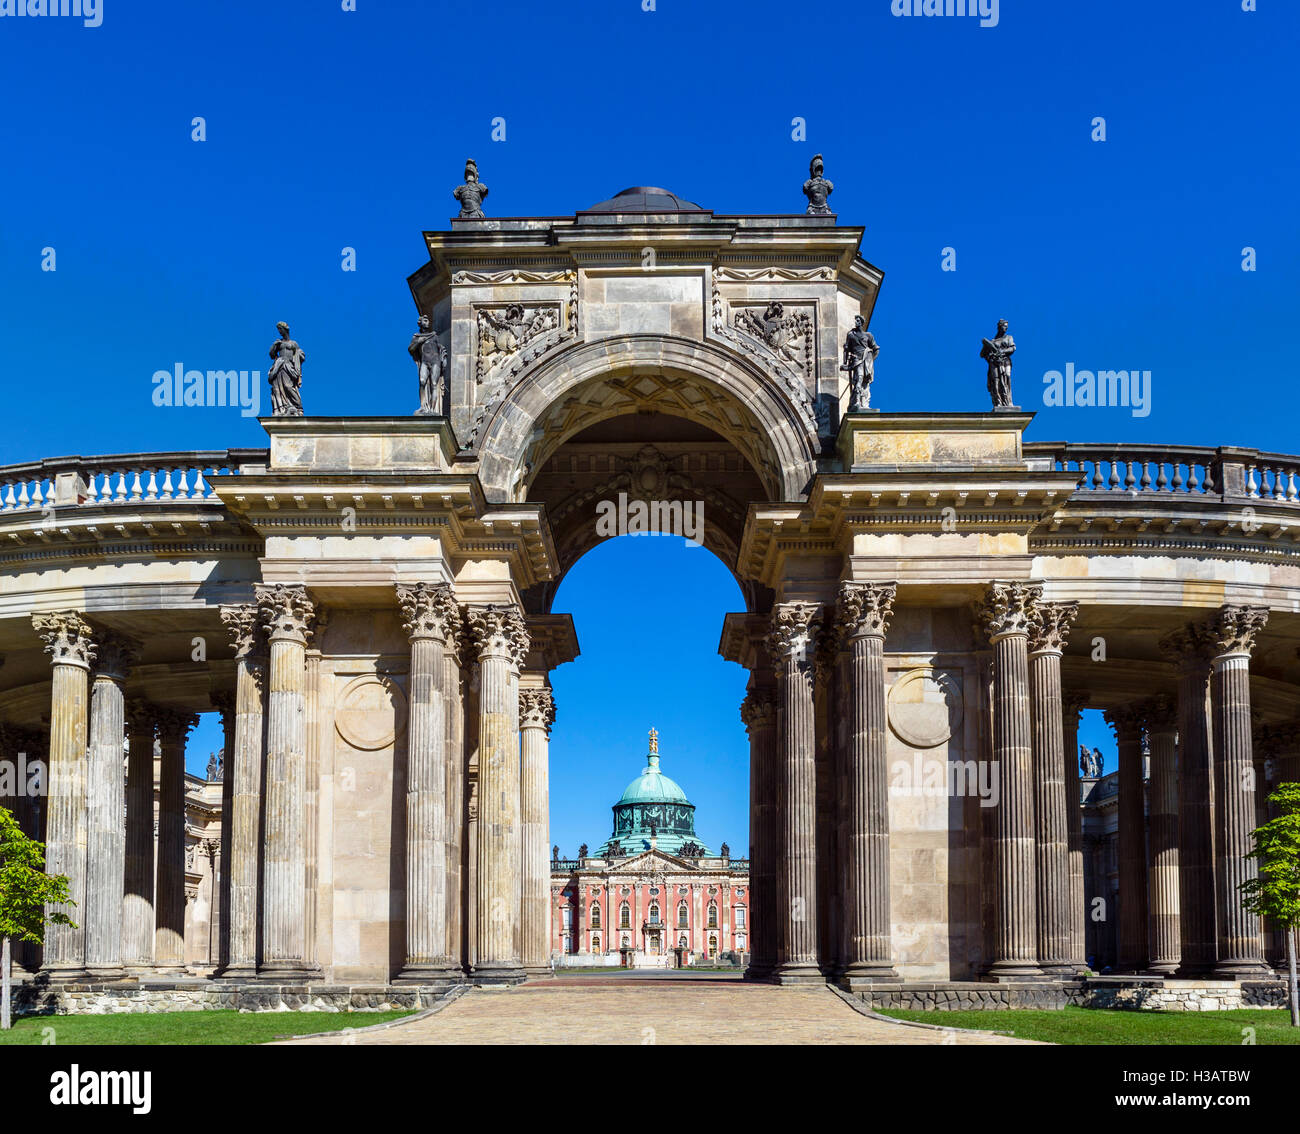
{"points": [[654, 741]]}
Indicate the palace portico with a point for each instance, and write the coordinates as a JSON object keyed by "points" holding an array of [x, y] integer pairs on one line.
{"points": [[368, 603]]}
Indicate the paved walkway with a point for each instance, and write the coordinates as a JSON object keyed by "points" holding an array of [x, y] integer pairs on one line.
{"points": [[569, 1011]]}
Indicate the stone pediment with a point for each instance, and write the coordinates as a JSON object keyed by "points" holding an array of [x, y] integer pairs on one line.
{"points": [[651, 861]]}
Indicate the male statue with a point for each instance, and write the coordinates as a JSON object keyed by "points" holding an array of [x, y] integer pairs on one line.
{"points": [[997, 352], [860, 350], [286, 375], [431, 357], [817, 189], [472, 194]]}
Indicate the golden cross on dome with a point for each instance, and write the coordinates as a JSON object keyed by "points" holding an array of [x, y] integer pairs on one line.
{"points": [[654, 740]]}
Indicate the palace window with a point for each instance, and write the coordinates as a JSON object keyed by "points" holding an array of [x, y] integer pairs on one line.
{"points": [[625, 916], [740, 916], [595, 915], [740, 940], [713, 915], [681, 916], [595, 943], [681, 941], [566, 916], [713, 946], [654, 913]]}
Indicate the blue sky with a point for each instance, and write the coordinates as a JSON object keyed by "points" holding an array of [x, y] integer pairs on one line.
{"points": [[329, 129]]}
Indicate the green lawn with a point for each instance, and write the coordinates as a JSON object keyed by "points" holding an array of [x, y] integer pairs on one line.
{"points": [[1112, 1026], [217, 1027]]}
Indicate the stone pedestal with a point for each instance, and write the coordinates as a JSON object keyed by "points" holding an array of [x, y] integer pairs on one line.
{"points": [[68, 642], [794, 627], [864, 611]]}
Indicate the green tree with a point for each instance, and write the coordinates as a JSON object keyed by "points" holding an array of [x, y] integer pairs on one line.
{"points": [[25, 891], [1275, 893]]}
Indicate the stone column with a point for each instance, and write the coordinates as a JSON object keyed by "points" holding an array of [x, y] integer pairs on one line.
{"points": [[1188, 648], [454, 682], [1161, 716], [536, 715], [1005, 617], [105, 810], [863, 611], [1232, 633], [224, 703], [1049, 630], [169, 932], [758, 711], [68, 642], [794, 629], [241, 826], [501, 638], [138, 900], [287, 614], [429, 616], [1071, 706], [1133, 951]]}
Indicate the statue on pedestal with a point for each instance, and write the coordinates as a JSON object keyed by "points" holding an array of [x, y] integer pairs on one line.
{"points": [[997, 351], [431, 358], [860, 350], [472, 194], [817, 189], [286, 375]]}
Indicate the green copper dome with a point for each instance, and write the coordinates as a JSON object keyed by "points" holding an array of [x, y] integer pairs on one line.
{"points": [[653, 806]]}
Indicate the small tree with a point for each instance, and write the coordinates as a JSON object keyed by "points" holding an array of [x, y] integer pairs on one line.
{"points": [[1275, 893], [25, 891]]}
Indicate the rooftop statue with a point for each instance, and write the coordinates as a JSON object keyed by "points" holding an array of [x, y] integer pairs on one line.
{"points": [[286, 375], [817, 189], [860, 350], [431, 358], [472, 194], [997, 352]]}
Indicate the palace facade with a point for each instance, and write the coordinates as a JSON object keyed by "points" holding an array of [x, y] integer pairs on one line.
{"points": [[653, 895]]}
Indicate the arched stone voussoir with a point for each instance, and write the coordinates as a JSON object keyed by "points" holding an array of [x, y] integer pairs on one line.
{"points": [[514, 434]]}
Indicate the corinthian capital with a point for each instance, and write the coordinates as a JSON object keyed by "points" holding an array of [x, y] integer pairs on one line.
{"points": [[497, 630], [67, 638], [286, 611], [1232, 629], [794, 630], [1049, 626], [1007, 609], [1188, 646], [1160, 713], [115, 655], [536, 709], [864, 609], [244, 626], [429, 610], [758, 709], [174, 725]]}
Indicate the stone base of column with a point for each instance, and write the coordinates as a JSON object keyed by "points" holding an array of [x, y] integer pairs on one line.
{"points": [[538, 972], [108, 974], [786, 974], [1162, 968], [290, 972], [861, 976], [1242, 970], [446, 973], [758, 972], [1014, 972], [497, 975], [64, 974], [1060, 970], [244, 971]]}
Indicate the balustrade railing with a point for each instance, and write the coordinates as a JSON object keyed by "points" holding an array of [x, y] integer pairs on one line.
{"points": [[1174, 469], [129, 479]]}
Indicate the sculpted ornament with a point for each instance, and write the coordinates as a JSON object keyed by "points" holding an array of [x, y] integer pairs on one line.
{"points": [[286, 611], [67, 637], [794, 630], [116, 654], [781, 333], [431, 358], [497, 630], [502, 335], [1007, 609], [285, 377], [536, 709], [864, 609], [429, 610], [997, 352], [1050, 626], [817, 189], [244, 626], [860, 350], [472, 193], [758, 709], [1232, 629]]}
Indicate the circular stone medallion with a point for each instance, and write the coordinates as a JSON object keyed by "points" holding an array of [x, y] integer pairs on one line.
{"points": [[925, 707], [371, 712]]}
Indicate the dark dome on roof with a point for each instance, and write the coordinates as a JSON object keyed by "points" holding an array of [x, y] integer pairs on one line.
{"points": [[645, 199]]}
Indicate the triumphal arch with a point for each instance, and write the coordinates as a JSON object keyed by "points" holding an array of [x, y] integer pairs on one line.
{"points": [[930, 601]]}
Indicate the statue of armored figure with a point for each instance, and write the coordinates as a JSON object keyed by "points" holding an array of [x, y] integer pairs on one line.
{"points": [[817, 189], [997, 352], [472, 194], [860, 350], [1091, 763], [286, 375], [431, 358]]}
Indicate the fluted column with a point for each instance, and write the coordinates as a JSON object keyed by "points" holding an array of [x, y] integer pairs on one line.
{"points": [[864, 610], [758, 711], [1049, 630], [1005, 617], [430, 617], [1131, 946], [287, 614], [1232, 633], [68, 642], [794, 629], [138, 898], [1072, 704], [536, 715], [456, 822], [105, 810], [501, 639], [169, 930], [224, 703], [241, 826], [1188, 649], [1161, 715]]}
